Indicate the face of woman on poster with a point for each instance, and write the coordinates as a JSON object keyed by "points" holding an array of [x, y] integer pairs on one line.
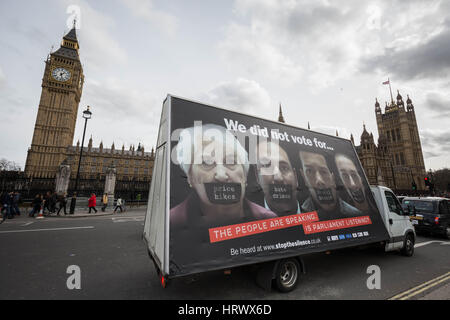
{"points": [[216, 166], [218, 178]]}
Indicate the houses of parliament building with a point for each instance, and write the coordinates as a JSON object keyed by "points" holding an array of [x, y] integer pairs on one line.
{"points": [[396, 161], [51, 146]]}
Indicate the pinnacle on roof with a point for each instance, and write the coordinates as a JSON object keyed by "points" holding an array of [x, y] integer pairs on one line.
{"points": [[71, 35], [280, 116], [69, 46], [408, 101], [377, 104]]}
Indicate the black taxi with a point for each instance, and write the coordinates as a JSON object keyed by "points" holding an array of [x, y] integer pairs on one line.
{"points": [[429, 214]]}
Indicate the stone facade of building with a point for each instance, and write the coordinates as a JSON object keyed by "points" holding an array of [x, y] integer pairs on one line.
{"points": [[397, 160]]}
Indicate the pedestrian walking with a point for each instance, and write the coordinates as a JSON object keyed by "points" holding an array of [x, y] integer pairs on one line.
{"points": [[7, 203], [37, 205], [92, 203], [119, 205], [105, 201], [62, 203], [15, 208], [53, 201], [2, 199], [46, 202]]}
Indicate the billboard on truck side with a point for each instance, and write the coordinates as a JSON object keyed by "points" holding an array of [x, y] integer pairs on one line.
{"points": [[242, 190]]}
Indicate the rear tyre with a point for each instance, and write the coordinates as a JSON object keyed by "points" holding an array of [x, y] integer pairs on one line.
{"points": [[408, 246], [287, 275]]}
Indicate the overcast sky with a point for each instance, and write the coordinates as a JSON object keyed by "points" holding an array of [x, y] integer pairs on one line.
{"points": [[324, 61]]}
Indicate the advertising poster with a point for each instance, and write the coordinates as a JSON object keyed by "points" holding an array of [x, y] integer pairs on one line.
{"points": [[246, 190]]}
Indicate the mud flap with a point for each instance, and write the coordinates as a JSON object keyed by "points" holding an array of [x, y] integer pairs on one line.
{"points": [[264, 275]]}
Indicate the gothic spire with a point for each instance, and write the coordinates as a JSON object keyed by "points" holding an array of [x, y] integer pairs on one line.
{"points": [[69, 46], [280, 116]]}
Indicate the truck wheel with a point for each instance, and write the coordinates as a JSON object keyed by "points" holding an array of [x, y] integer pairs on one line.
{"points": [[408, 246], [287, 275]]}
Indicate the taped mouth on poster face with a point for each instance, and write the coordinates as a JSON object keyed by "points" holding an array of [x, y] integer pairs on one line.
{"points": [[280, 192], [324, 195], [358, 195], [223, 193]]}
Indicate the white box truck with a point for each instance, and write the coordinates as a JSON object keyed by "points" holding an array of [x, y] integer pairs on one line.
{"points": [[229, 189]]}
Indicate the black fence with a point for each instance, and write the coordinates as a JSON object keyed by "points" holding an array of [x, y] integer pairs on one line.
{"points": [[16, 181]]}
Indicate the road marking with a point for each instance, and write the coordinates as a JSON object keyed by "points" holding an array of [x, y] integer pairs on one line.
{"points": [[55, 229], [128, 219], [421, 244], [27, 224], [421, 288]]}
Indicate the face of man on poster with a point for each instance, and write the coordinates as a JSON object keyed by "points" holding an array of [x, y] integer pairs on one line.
{"points": [[319, 180], [351, 180], [216, 166], [277, 178]]}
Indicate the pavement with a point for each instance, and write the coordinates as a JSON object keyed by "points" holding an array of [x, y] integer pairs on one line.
{"points": [[442, 293], [84, 213]]}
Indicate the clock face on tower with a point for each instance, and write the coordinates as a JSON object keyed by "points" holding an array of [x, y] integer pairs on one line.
{"points": [[61, 74]]}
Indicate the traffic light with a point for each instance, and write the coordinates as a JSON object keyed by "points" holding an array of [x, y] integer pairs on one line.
{"points": [[414, 186], [427, 181]]}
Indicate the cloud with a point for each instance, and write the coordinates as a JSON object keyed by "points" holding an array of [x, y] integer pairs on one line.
{"points": [[331, 130], [113, 97], [240, 95], [97, 43], [321, 42], [145, 9], [435, 142], [424, 60], [121, 114], [295, 40], [438, 104], [2, 79]]}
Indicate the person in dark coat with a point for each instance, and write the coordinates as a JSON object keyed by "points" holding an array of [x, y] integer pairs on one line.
{"points": [[16, 200], [62, 203], [37, 204], [47, 202], [53, 202], [7, 203]]}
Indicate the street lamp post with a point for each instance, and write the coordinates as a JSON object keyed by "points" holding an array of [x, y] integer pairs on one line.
{"points": [[86, 115]]}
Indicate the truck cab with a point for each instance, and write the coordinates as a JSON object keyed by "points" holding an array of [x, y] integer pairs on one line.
{"points": [[397, 221]]}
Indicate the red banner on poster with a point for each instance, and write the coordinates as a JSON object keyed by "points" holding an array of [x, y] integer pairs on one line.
{"points": [[330, 225], [260, 226]]}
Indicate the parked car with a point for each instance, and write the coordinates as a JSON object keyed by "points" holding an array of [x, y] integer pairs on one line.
{"points": [[430, 214]]}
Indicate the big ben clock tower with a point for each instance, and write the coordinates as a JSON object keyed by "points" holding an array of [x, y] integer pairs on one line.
{"points": [[62, 86]]}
